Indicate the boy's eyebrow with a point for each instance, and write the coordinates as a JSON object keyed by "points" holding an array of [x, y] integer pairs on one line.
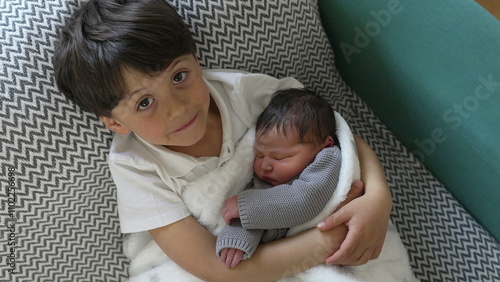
{"points": [[131, 95], [128, 97], [171, 66]]}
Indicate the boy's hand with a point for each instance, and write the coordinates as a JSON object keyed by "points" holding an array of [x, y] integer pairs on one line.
{"points": [[367, 226], [230, 209], [231, 257]]}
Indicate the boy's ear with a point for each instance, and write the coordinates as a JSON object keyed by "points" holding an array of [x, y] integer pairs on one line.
{"points": [[114, 125], [329, 142]]}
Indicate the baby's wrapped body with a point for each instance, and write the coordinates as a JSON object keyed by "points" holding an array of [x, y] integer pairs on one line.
{"points": [[267, 212]]}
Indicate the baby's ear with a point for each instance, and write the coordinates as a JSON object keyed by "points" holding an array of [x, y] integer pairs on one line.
{"points": [[329, 142], [114, 125]]}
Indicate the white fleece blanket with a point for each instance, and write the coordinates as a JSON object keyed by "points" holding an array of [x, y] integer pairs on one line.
{"points": [[204, 199]]}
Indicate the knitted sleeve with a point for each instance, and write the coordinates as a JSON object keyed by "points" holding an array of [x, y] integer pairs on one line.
{"points": [[237, 237], [288, 205]]}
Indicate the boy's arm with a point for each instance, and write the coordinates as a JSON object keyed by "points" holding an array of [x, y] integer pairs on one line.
{"points": [[367, 217], [191, 246], [288, 205]]}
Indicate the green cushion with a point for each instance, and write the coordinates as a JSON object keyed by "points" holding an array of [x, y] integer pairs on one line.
{"points": [[431, 71]]}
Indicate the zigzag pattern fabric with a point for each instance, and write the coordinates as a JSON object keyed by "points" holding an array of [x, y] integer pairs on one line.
{"points": [[58, 209]]}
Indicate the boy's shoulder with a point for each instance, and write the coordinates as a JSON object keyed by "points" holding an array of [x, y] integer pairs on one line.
{"points": [[128, 149], [223, 75], [255, 80], [254, 89], [219, 72]]}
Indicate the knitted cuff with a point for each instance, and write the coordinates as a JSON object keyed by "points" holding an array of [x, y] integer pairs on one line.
{"points": [[243, 210], [247, 247]]}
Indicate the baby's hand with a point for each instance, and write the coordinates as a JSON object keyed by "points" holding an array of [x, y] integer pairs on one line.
{"points": [[231, 257], [230, 209]]}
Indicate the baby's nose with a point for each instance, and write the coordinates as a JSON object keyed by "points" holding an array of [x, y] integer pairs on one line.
{"points": [[266, 164]]}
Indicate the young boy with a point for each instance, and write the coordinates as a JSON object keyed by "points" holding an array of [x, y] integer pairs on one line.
{"points": [[133, 64], [297, 166]]}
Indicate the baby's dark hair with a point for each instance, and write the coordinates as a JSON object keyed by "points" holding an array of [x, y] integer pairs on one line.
{"points": [[105, 37], [301, 110]]}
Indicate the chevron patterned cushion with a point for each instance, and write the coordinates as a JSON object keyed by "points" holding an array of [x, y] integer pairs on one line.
{"points": [[58, 210]]}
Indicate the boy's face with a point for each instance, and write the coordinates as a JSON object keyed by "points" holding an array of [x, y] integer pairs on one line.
{"points": [[170, 109], [278, 158]]}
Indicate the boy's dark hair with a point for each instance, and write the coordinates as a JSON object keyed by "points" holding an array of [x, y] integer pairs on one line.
{"points": [[301, 110], [104, 37]]}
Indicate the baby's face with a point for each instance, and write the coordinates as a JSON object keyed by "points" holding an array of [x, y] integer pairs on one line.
{"points": [[278, 158]]}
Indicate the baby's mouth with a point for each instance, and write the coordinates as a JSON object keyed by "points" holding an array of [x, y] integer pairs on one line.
{"points": [[267, 179]]}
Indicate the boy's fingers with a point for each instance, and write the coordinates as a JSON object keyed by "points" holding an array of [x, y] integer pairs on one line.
{"points": [[345, 252], [338, 218], [350, 258], [357, 187], [359, 260], [355, 191], [376, 253], [330, 222], [353, 256]]}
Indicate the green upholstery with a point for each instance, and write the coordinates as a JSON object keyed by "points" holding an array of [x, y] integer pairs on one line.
{"points": [[430, 70]]}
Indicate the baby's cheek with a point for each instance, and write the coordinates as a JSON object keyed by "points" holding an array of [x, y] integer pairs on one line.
{"points": [[287, 172], [256, 166]]}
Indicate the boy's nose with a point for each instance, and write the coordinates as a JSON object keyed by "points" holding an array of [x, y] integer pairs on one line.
{"points": [[176, 107]]}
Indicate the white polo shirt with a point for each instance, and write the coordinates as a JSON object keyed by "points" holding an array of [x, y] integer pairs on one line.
{"points": [[150, 178]]}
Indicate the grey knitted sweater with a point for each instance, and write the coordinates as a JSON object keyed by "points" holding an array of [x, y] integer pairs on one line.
{"points": [[267, 212]]}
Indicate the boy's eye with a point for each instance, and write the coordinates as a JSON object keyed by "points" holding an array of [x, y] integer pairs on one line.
{"points": [[144, 104], [179, 77]]}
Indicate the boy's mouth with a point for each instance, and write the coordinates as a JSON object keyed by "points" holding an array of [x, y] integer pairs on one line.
{"points": [[187, 124]]}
